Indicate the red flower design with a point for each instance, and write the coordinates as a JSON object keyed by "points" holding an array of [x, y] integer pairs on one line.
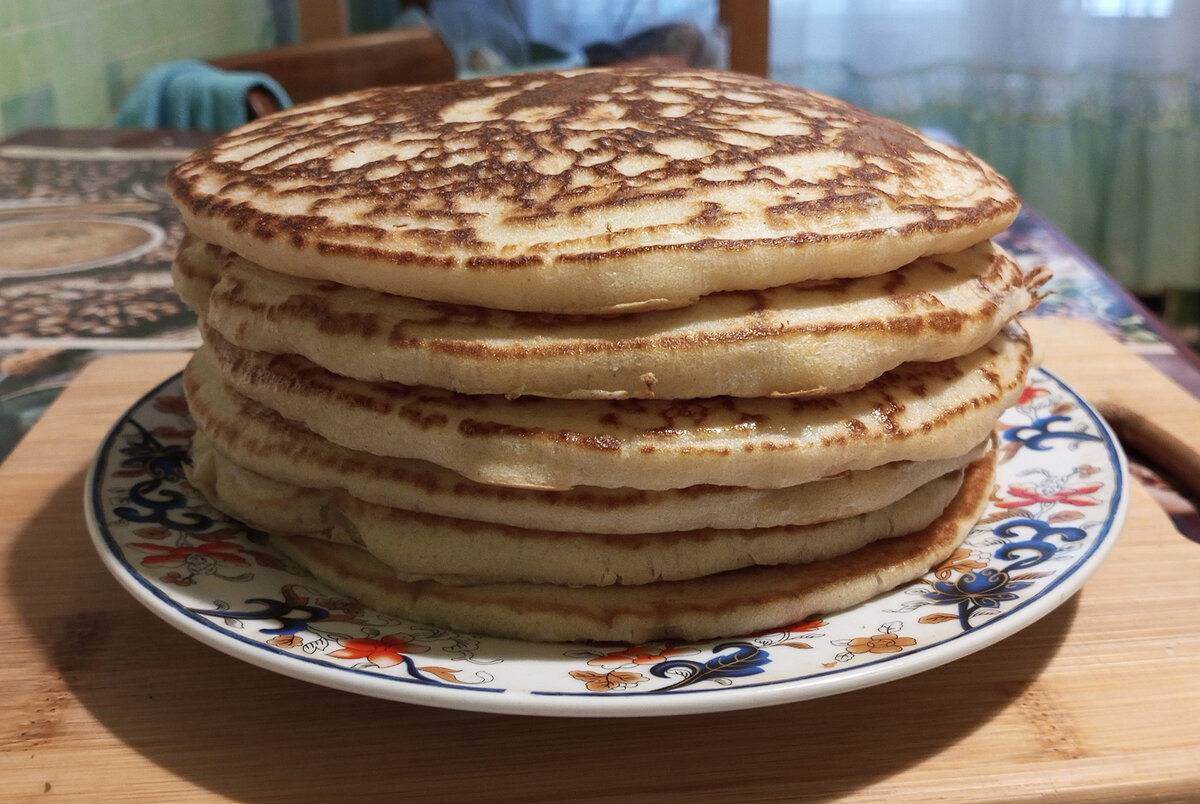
{"points": [[225, 552], [800, 627], [805, 625], [1031, 393], [1067, 496], [386, 651]]}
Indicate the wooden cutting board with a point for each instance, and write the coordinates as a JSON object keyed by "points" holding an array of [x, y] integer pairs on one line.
{"points": [[1150, 413], [102, 702]]}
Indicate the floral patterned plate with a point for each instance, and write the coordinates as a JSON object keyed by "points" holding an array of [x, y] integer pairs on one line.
{"points": [[1059, 502]]}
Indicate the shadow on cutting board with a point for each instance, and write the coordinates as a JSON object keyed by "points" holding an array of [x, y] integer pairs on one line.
{"points": [[251, 735]]}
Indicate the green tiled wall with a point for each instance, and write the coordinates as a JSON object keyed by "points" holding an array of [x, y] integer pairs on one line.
{"points": [[70, 62]]}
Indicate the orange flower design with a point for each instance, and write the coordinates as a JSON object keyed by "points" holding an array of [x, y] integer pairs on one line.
{"points": [[959, 561], [387, 651], [638, 655], [603, 682], [880, 643], [286, 641]]}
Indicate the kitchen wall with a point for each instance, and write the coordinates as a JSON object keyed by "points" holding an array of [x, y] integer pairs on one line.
{"points": [[70, 62]]}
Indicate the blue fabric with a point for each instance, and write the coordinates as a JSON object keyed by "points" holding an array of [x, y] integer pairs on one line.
{"points": [[194, 95]]}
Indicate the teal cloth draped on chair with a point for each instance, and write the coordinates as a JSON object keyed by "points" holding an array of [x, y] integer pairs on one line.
{"points": [[194, 95]]}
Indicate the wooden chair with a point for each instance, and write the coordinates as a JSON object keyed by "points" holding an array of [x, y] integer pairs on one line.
{"points": [[329, 66], [343, 62], [748, 23]]}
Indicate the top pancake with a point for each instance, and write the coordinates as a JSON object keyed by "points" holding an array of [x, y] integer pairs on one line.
{"points": [[586, 191]]}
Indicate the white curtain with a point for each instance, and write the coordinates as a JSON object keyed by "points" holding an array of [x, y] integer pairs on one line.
{"points": [[1090, 107]]}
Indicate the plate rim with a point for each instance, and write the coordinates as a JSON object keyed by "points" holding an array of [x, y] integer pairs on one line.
{"points": [[156, 236], [510, 700]]}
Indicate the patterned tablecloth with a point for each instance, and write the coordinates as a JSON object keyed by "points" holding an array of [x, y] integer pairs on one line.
{"points": [[86, 240], [87, 236]]}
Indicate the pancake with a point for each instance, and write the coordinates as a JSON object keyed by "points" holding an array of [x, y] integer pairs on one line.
{"points": [[451, 550], [918, 411], [617, 354], [821, 337], [259, 439], [586, 191], [727, 604], [460, 551]]}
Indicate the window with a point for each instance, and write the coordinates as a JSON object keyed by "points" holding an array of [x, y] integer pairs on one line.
{"points": [[1155, 9]]}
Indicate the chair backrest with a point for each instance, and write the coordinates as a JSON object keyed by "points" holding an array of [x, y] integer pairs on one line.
{"points": [[748, 23], [331, 66]]}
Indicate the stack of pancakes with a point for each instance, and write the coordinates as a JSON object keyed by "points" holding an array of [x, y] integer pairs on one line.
{"points": [[599, 355]]}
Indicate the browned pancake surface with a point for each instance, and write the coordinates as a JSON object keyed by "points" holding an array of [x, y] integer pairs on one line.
{"points": [[727, 604], [452, 549], [592, 190], [918, 411], [259, 439], [815, 337]]}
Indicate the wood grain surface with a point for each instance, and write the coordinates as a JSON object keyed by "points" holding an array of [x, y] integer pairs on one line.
{"points": [[102, 702], [1149, 412]]}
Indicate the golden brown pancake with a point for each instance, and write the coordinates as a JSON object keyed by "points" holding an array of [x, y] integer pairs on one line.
{"points": [[727, 604], [817, 337], [617, 354], [259, 439], [586, 191], [454, 550], [918, 411]]}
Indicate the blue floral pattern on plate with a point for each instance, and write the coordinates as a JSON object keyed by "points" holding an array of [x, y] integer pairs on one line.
{"points": [[1058, 504]]}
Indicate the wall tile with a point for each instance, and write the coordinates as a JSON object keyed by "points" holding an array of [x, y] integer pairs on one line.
{"points": [[71, 62], [116, 87], [8, 14], [121, 28], [10, 66], [33, 109]]}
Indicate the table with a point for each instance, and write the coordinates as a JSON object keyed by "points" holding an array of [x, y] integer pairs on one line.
{"points": [[87, 234], [1097, 702]]}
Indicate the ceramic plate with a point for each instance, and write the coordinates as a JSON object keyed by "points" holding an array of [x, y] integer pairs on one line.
{"points": [[1060, 500]]}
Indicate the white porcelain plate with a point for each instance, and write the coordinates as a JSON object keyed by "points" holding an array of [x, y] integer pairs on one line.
{"points": [[1059, 503]]}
